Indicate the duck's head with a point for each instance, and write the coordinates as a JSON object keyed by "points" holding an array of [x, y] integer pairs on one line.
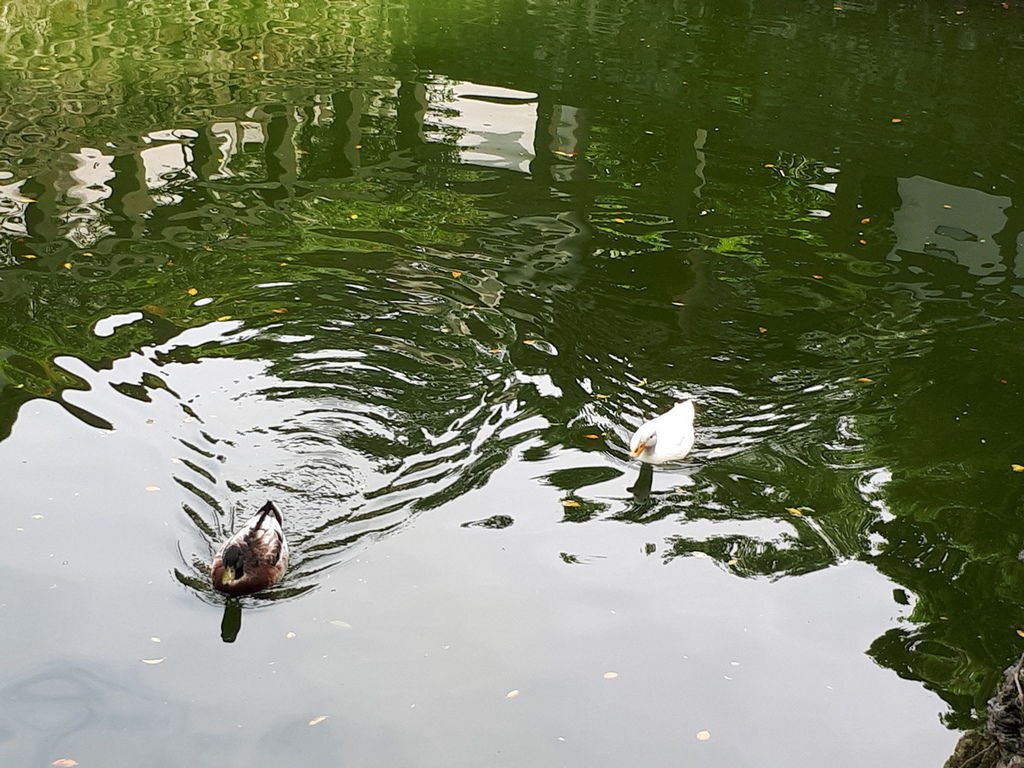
{"points": [[644, 440], [234, 564]]}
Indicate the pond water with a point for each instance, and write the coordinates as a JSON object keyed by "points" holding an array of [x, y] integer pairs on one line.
{"points": [[415, 272]]}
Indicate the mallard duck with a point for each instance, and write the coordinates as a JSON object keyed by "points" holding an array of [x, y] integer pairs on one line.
{"points": [[668, 437], [254, 558]]}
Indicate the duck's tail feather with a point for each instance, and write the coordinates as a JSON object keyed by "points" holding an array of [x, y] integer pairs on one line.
{"points": [[265, 510]]}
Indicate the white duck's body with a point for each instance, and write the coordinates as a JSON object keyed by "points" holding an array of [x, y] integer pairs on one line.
{"points": [[668, 437], [254, 558]]}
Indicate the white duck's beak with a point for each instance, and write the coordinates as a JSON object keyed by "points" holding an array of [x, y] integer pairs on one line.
{"points": [[640, 448]]}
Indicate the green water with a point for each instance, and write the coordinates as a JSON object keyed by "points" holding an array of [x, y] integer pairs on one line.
{"points": [[416, 271]]}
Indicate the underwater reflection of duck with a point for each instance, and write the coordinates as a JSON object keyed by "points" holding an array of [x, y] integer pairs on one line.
{"points": [[668, 437], [254, 558]]}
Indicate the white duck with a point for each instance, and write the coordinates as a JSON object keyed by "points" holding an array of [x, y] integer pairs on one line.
{"points": [[668, 437]]}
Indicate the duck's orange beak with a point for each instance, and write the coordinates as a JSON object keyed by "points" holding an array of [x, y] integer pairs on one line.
{"points": [[640, 448]]}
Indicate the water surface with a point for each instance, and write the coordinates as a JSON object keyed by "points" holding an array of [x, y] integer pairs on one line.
{"points": [[415, 272]]}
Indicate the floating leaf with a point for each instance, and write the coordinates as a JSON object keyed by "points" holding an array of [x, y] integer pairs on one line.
{"points": [[865, 220], [456, 274], [703, 735], [318, 719], [152, 487], [865, 380], [1020, 632], [155, 639], [570, 503], [495, 350], [592, 437], [64, 762], [610, 675], [512, 694], [762, 329], [1017, 467], [289, 635], [192, 291], [818, 277], [279, 311], [531, 342], [896, 120], [619, 221], [602, 397], [68, 265], [223, 318], [794, 511], [769, 165], [353, 216], [154, 661], [642, 383]]}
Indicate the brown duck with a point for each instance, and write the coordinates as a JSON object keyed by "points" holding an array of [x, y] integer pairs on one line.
{"points": [[254, 558]]}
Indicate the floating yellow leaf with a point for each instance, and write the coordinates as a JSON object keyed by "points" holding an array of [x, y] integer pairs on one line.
{"points": [[642, 383], [610, 675], [289, 635], [703, 735], [192, 291], [318, 719], [769, 165], [762, 329], [896, 120], [862, 241], [529, 341], [512, 694], [619, 221], [152, 487], [678, 303], [865, 380], [946, 205], [495, 350], [154, 661], [1020, 632], [456, 273], [68, 265], [353, 216], [64, 762], [28, 256], [592, 436], [602, 397], [1017, 467], [223, 318], [818, 277], [865, 220], [570, 503], [279, 311], [794, 511]]}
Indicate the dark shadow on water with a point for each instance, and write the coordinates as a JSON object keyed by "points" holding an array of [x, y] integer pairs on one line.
{"points": [[641, 489], [231, 623]]}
